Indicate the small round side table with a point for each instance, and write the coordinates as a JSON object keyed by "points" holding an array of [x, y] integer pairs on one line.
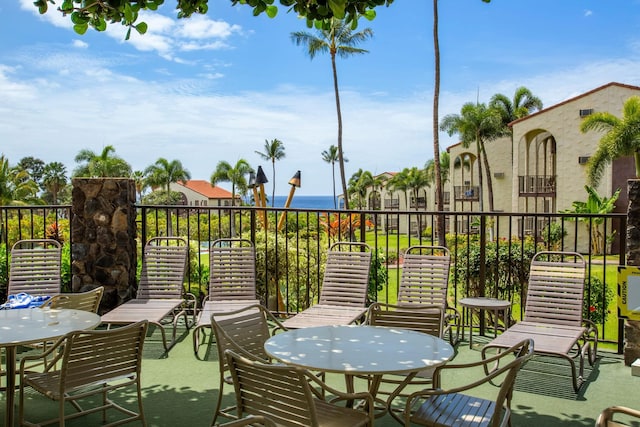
{"points": [[497, 306]]}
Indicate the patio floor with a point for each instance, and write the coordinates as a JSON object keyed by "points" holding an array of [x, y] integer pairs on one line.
{"points": [[180, 390]]}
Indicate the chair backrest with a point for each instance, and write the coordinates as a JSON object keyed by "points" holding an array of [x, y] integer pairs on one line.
{"points": [[163, 267], [281, 393], [232, 270], [428, 319], [96, 357], [346, 274], [86, 301], [523, 351], [556, 288], [425, 276], [243, 331], [35, 267]]}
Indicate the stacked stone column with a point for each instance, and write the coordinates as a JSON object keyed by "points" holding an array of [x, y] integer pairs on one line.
{"points": [[103, 236]]}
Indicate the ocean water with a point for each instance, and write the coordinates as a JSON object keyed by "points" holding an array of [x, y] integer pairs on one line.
{"points": [[305, 202]]}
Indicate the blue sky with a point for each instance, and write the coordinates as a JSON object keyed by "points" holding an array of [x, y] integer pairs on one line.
{"points": [[214, 87]]}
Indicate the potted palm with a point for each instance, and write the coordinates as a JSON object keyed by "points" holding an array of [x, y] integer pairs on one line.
{"points": [[621, 137]]}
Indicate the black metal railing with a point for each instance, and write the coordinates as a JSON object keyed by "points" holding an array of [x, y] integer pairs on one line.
{"points": [[490, 251]]}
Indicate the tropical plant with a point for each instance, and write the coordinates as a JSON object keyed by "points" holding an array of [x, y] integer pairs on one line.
{"points": [[477, 124], [126, 12], [342, 227], [105, 164], [54, 179], [163, 173], [331, 156], [338, 39], [621, 138], [273, 150], [595, 204], [236, 175]]}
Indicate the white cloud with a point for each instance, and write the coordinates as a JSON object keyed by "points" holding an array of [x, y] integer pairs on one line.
{"points": [[588, 12], [80, 44]]}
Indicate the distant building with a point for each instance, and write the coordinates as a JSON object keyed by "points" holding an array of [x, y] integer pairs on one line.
{"points": [[198, 192], [543, 171]]}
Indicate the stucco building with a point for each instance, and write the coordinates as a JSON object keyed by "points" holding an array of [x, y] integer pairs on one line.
{"points": [[197, 192]]}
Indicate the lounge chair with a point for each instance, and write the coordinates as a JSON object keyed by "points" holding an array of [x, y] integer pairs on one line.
{"points": [[344, 288], [442, 407], [232, 281], [425, 281], [553, 313], [35, 268], [161, 298]]}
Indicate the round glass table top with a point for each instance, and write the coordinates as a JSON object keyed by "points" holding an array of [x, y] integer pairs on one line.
{"points": [[359, 349], [29, 325]]}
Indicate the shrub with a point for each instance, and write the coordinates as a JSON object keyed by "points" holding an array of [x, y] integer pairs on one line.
{"points": [[596, 301]]}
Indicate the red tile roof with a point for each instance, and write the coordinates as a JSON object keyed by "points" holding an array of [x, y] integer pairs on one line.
{"points": [[206, 189]]}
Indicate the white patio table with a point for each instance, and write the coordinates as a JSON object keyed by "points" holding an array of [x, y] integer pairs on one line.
{"points": [[359, 350], [33, 325]]}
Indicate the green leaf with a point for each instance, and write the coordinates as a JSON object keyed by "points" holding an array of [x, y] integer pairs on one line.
{"points": [[128, 34], [41, 5], [81, 28], [370, 14], [152, 6], [338, 8], [272, 11], [128, 13], [100, 25], [141, 28], [66, 6]]}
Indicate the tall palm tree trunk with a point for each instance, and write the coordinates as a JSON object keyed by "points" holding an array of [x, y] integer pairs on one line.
{"points": [[436, 139], [340, 154], [487, 171], [480, 178], [333, 176]]}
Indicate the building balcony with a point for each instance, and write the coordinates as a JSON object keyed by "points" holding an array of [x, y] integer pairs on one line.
{"points": [[466, 193], [537, 185]]}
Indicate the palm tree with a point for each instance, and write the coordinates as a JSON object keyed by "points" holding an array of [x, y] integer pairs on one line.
{"points": [[416, 179], [54, 179], [478, 124], [436, 137], [621, 138], [358, 185], [233, 174], [398, 182], [140, 182], [522, 104], [337, 39], [163, 173], [16, 186], [430, 169], [331, 156], [273, 150], [101, 165]]}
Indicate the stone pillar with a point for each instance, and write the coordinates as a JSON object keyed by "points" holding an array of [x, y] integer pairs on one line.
{"points": [[103, 236], [632, 327]]}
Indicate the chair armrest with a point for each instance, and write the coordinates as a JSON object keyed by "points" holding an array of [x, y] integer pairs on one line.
{"points": [[607, 414], [340, 395], [43, 356]]}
